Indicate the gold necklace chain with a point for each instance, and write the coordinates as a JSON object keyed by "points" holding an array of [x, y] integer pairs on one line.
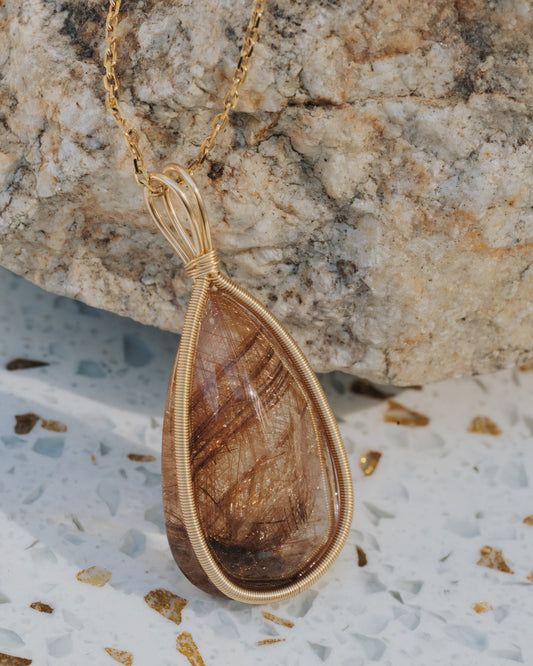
{"points": [[218, 123]]}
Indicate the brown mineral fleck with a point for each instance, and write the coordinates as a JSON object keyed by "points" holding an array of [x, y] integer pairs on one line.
{"points": [[141, 457], [397, 413], [526, 367], [94, 459], [365, 387], [97, 576], [482, 607], [10, 660], [530, 576], [24, 364], [53, 425], [167, 603], [188, 648], [484, 426], [121, 656], [271, 641], [41, 607], [528, 520], [25, 423], [261, 472], [492, 558], [278, 620], [216, 170], [369, 462], [362, 559]]}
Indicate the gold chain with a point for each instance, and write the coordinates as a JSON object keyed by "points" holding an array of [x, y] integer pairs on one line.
{"points": [[218, 123]]}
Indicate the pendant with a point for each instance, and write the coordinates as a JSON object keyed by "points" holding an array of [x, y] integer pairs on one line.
{"points": [[257, 491]]}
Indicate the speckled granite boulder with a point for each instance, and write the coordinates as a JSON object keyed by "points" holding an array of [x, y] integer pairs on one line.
{"points": [[374, 188]]}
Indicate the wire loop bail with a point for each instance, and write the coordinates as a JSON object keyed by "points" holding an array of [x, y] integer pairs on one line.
{"points": [[179, 213]]}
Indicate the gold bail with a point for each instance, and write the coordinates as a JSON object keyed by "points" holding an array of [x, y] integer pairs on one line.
{"points": [[203, 266], [179, 212]]}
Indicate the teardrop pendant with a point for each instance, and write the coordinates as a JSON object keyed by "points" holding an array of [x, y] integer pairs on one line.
{"points": [[257, 491]]}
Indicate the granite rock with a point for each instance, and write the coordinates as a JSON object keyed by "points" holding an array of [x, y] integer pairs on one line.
{"points": [[374, 188]]}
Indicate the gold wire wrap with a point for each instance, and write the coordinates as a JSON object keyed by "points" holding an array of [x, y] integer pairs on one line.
{"points": [[183, 382], [203, 266], [189, 235], [179, 213]]}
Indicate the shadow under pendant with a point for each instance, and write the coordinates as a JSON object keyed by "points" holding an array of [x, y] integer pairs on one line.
{"points": [[257, 492]]}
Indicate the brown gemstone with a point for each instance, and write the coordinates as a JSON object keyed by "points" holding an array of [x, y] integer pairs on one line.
{"points": [[25, 423], [262, 476]]}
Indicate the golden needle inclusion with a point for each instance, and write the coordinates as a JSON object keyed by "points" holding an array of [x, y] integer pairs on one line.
{"points": [[264, 484]]}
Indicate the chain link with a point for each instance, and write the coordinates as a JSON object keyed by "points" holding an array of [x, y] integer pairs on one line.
{"points": [[218, 123]]}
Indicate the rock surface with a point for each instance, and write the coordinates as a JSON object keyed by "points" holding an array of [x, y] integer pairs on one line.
{"points": [[374, 187]]}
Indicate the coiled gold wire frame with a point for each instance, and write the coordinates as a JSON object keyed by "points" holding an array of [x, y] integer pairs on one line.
{"points": [[193, 244]]}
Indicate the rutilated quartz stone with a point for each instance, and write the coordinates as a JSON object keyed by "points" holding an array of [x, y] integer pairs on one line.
{"points": [[263, 480]]}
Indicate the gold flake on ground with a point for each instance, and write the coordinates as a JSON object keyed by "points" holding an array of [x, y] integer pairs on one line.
{"points": [[278, 620], [484, 426], [528, 520], [482, 607], [25, 423], [492, 558], [401, 415], [10, 660], [167, 603], [362, 560], [141, 457], [369, 462], [188, 648], [271, 641], [53, 425], [121, 656], [41, 607], [97, 576]]}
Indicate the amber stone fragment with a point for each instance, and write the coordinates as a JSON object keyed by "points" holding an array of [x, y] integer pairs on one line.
{"points": [[187, 647], [53, 425], [263, 481], [25, 423], [362, 559], [482, 607], [141, 457], [167, 603], [369, 462], [41, 607], [24, 364], [10, 660], [492, 558], [278, 620], [401, 415], [484, 426], [121, 656], [97, 576]]}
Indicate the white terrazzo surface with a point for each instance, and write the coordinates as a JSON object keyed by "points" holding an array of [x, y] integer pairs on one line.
{"points": [[73, 500]]}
